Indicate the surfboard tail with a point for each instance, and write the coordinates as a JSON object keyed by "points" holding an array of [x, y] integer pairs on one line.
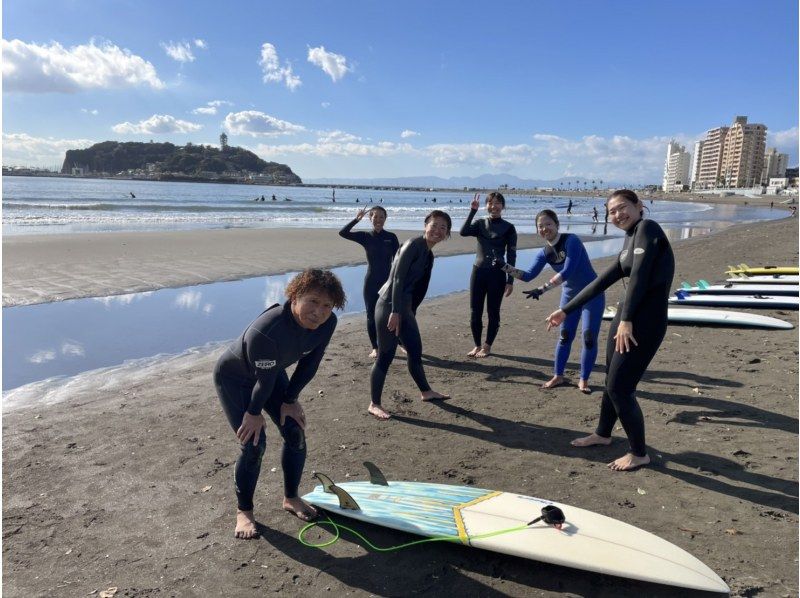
{"points": [[345, 500]]}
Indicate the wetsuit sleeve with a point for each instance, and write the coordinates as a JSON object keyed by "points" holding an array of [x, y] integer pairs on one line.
{"points": [[511, 251], [262, 354], [407, 255], [612, 274], [347, 232], [538, 264], [420, 289], [469, 229], [573, 250], [307, 367], [645, 252]]}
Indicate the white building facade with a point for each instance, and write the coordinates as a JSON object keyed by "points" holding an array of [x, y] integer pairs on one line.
{"points": [[676, 168]]}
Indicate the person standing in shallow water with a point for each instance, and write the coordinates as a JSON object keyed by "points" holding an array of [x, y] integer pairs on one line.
{"points": [[380, 246], [395, 312], [646, 258], [250, 378], [497, 240]]}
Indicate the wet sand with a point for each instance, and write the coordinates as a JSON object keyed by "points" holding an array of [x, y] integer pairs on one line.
{"points": [[128, 484]]}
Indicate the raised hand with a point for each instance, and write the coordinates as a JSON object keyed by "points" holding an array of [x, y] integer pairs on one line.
{"points": [[476, 203]]}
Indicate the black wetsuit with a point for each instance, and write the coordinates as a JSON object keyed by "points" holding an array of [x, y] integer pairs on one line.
{"points": [[647, 258], [251, 375], [380, 249], [497, 238], [402, 293]]}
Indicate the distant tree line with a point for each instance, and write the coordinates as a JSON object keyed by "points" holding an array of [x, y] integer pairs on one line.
{"points": [[191, 160]]}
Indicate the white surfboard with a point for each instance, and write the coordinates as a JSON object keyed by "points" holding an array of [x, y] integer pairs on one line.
{"points": [[690, 315], [774, 290], [756, 301], [765, 279], [503, 522]]}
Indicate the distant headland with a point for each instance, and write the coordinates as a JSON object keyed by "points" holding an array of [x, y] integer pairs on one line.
{"points": [[169, 162]]}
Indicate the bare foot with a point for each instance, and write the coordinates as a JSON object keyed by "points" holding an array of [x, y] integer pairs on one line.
{"points": [[245, 525], [553, 382], [374, 354], [300, 509], [629, 462], [403, 350], [591, 440], [485, 351], [474, 352], [583, 386], [377, 411], [432, 395]]}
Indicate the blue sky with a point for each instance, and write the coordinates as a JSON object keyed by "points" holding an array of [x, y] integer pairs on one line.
{"points": [[360, 89]]}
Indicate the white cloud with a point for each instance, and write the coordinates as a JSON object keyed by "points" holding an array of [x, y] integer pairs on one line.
{"points": [[334, 65], [42, 356], [125, 299], [273, 72], [336, 137], [93, 112], [73, 349], [255, 124], [786, 141], [201, 43], [328, 149], [211, 107], [188, 300], [409, 133], [21, 149], [52, 68], [179, 51], [325, 104], [156, 125]]}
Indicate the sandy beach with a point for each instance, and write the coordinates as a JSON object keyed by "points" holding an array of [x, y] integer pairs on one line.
{"points": [[128, 484]]}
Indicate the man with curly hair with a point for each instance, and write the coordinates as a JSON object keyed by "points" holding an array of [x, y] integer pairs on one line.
{"points": [[250, 378]]}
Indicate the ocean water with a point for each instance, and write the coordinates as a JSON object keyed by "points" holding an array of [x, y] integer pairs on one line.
{"points": [[37, 205]]}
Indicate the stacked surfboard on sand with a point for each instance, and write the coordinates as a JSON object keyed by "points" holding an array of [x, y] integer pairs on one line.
{"points": [[764, 287]]}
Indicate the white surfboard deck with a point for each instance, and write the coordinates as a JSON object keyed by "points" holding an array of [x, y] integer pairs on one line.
{"points": [[774, 290], [765, 279], [760, 270], [766, 302], [587, 540], [690, 315]]}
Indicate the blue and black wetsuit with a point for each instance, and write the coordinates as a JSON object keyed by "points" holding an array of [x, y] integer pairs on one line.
{"points": [[251, 375], [380, 249], [647, 258], [568, 257], [402, 293], [497, 239]]}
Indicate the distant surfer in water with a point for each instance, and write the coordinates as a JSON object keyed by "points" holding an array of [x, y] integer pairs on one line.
{"points": [[565, 254], [646, 258], [569, 208], [395, 312], [250, 378], [497, 240], [380, 246], [132, 195]]}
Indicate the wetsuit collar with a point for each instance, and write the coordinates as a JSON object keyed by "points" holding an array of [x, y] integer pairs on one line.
{"points": [[633, 228], [555, 241], [287, 310]]}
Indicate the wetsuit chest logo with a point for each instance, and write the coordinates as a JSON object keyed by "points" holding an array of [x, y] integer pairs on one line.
{"points": [[623, 254], [265, 364]]}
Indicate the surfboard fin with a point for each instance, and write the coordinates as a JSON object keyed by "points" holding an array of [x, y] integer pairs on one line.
{"points": [[685, 285], [375, 475], [345, 500]]}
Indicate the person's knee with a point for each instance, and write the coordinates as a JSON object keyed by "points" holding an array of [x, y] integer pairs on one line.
{"points": [[566, 336], [589, 340], [295, 438], [252, 455]]}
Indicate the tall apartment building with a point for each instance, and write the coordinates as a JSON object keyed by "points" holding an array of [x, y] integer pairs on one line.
{"points": [[732, 157], [695, 171], [743, 155], [710, 167], [775, 166], [676, 168]]}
